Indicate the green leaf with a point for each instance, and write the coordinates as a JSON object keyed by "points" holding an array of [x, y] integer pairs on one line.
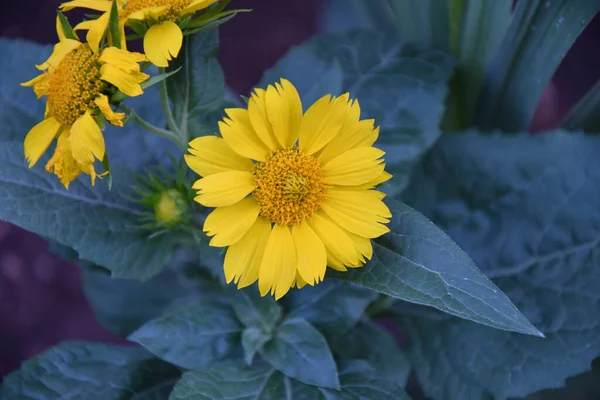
{"points": [[113, 25], [123, 305], [253, 310], [199, 87], [19, 108], [192, 336], [423, 21], [401, 86], [525, 208], [66, 26], [332, 306], [320, 77], [253, 340], [154, 79], [483, 24], [585, 115], [373, 344], [375, 14], [96, 222], [584, 386], [540, 34], [337, 16], [299, 351], [419, 263], [239, 382], [82, 370]]}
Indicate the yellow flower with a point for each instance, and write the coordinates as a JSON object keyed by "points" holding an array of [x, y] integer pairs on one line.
{"points": [[76, 82], [163, 38], [294, 193]]}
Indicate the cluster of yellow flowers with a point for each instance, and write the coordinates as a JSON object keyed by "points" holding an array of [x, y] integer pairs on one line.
{"points": [[79, 78], [294, 192]]}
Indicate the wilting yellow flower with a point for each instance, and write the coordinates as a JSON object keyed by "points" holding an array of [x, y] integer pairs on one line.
{"points": [[294, 193], [163, 38], [76, 82]]}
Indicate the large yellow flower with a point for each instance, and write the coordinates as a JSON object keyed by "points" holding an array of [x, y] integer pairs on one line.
{"points": [[294, 193], [76, 82], [163, 38]]}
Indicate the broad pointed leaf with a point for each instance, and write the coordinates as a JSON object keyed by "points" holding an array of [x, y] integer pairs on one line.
{"points": [[83, 370], [192, 336], [419, 263], [525, 208]]}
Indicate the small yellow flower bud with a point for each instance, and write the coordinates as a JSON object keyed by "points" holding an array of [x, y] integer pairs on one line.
{"points": [[170, 208]]}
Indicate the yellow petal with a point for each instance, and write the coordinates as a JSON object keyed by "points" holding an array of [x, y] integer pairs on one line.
{"points": [[354, 167], [224, 188], [240, 136], [84, 25], [360, 212], [86, 142], [310, 253], [114, 118], [323, 122], [300, 283], [257, 111], [124, 60], [39, 138], [278, 266], [40, 84], [336, 241], [61, 49], [62, 163], [162, 43], [126, 82], [243, 258], [98, 5], [383, 177], [284, 110], [228, 224], [96, 32], [363, 247], [352, 135], [211, 155], [197, 5]]}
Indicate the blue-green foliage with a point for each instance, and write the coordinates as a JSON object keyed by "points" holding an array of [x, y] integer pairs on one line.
{"points": [[520, 208]]}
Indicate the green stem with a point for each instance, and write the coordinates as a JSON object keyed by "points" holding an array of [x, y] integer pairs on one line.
{"points": [[380, 306], [167, 134], [164, 99]]}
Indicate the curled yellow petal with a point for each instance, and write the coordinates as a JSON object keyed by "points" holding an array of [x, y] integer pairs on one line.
{"points": [[124, 60], [113, 117], [162, 43], [126, 82], [62, 163]]}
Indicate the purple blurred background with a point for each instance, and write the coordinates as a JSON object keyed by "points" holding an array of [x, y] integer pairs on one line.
{"points": [[41, 301]]}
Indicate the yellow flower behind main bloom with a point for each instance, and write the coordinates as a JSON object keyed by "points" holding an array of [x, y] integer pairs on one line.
{"points": [[294, 193], [76, 82], [164, 37]]}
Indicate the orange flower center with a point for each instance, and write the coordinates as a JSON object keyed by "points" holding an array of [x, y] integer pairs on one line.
{"points": [[289, 186], [74, 85], [172, 8]]}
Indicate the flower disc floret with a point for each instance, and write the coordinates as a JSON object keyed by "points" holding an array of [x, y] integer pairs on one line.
{"points": [[74, 85], [167, 9], [289, 186]]}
